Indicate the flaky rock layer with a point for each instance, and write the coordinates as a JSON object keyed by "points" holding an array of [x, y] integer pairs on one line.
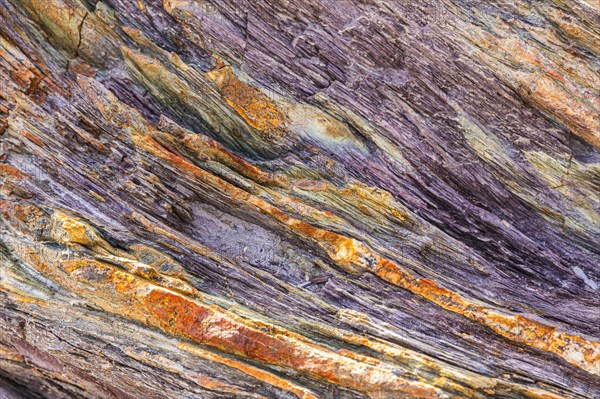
{"points": [[299, 199]]}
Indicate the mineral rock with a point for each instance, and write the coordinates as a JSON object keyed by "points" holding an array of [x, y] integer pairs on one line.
{"points": [[342, 199]]}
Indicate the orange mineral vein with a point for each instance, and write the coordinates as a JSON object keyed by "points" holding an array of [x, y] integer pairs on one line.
{"points": [[351, 254]]}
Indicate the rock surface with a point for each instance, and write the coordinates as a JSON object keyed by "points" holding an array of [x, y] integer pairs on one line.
{"points": [[299, 199]]}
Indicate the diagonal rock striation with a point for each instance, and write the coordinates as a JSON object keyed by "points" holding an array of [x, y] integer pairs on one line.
{"points": [[275, 199]]}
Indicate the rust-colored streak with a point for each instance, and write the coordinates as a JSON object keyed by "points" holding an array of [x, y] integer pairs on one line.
{"points": [[560, 92], [354, 256], [141, 300], [250, 103], [11, 172], [32, 138], [205, 148], [255, 372], [140, 297]]}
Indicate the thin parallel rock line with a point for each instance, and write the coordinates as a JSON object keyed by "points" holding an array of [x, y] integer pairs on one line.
{"points": [[354, 256]]}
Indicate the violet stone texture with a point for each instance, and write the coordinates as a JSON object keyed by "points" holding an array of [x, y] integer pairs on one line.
{"points": [[338, 199]]}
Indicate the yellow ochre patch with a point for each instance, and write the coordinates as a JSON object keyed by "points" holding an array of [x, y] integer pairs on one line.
{"points": [[249, 102]]}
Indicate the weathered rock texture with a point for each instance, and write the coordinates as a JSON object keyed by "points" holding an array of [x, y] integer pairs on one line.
{"points": [[299, 199]]}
